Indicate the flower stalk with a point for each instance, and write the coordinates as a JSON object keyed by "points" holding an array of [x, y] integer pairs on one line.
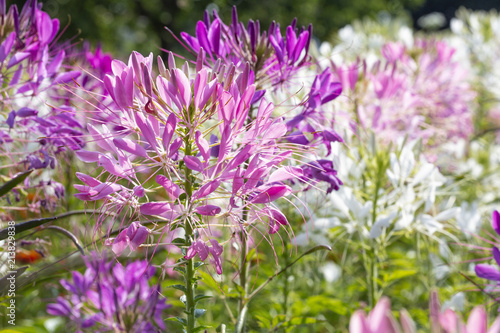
{"points": [[190, 270]]}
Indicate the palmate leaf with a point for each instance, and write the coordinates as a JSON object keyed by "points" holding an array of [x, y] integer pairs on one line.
{"points": [[10, 184]]}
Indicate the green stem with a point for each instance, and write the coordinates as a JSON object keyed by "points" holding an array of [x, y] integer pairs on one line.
{"points": [[189, 272], [373, 278], [243, 303]]}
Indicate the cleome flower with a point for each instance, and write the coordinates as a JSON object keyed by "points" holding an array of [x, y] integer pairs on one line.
{"points": [[160, 167], [273, 58], [110, 297]]}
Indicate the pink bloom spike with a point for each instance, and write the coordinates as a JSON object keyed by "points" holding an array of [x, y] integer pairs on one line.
{"points": [[477, 321], [358, 323], [379, 318]]}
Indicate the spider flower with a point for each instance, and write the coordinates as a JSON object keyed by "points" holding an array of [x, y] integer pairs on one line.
{"points": [[420, 91], [160, 165], [37, 119], [491, 272], [110, 297], [273, 58], [380, 319]]}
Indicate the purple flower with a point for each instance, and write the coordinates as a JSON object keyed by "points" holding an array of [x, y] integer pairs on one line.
{"points": [[272, 58], [112, 296]]}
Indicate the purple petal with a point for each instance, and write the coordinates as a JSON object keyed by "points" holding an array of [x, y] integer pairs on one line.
{"points": [[496, 255], [206, 189], [146, 129], [6, 46], [273, 227], [203, 146], [66, 77], [184, 86], [130, 146], [87, 156], [488, 272], [495, 222], [217, 248], [26, 112], [120, 243], [155, 208], [61, 308], [111, 166], [90, 181], [140, 236], [193, 163], [17, 58], [278, 216], [11, 118], [285, 173], [271, 194], [202, 249], [208, 210], [169, 130], [173, 190]]}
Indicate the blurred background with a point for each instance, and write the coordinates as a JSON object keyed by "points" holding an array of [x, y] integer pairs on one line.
{"points": [[125, 25]]}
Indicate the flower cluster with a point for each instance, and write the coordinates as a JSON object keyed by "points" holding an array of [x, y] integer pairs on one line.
{"points": [[380, 319], [273, 58], [110, 297], [38, 121], [491, 272], [162, 149], [421, 92]]}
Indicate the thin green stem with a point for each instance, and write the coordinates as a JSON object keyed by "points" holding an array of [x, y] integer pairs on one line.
{"points": [[190, 270], [242, 303]]}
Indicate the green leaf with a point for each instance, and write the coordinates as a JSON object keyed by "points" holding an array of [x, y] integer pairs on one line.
{"points": [[200, 297], [178, 319], [199, 312], [179, 240], [239, 288], [179, 287], [13, 182], [297, 321], [180, 270], [201, 328], [400, 274], [263, 321], [319, 303], [198, 264], [209, 281]]}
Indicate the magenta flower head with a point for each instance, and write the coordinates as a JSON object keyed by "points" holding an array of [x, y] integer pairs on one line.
{"points": [[109, 296], [380, 319], [450, 322], [38, 122], [273, 58], [491, 272], [422, 92], [161, 168]]}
